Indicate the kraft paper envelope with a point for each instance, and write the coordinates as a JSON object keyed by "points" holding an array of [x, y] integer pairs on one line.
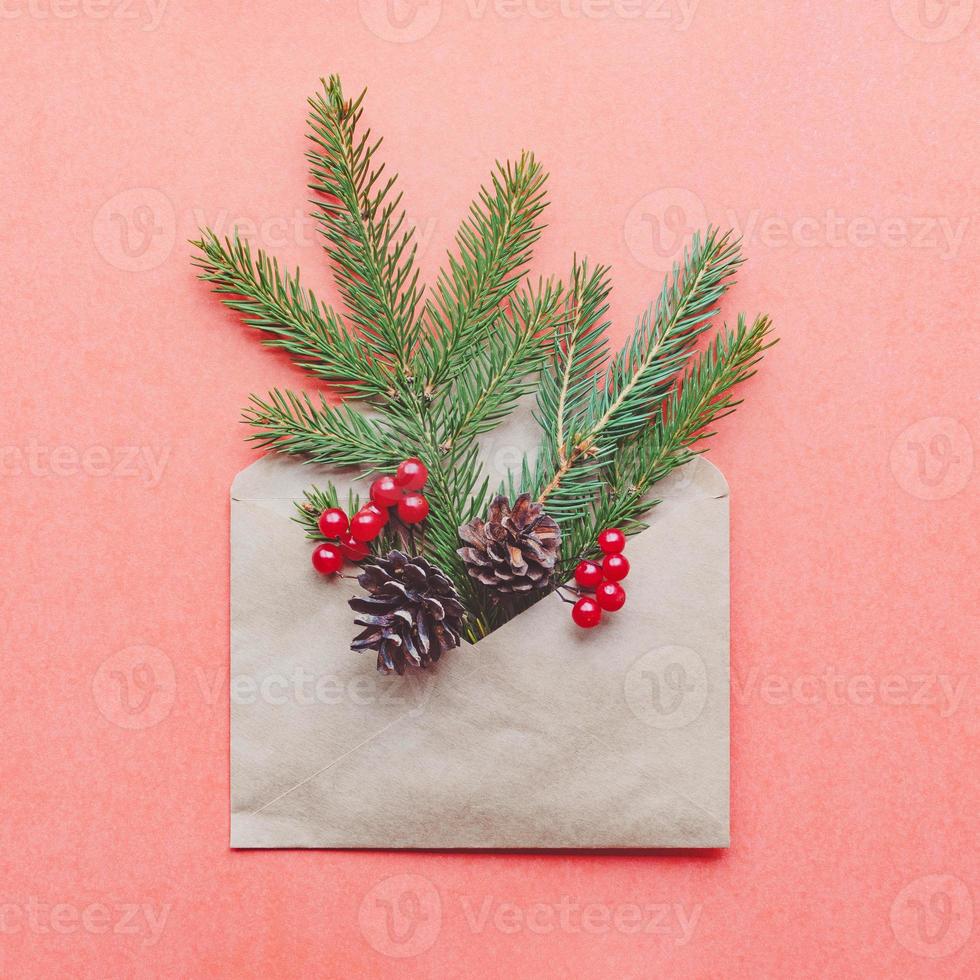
{"points": [[542, 735]]}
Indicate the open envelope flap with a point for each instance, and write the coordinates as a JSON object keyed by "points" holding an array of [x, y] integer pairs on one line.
{"points": [[540, 736]]}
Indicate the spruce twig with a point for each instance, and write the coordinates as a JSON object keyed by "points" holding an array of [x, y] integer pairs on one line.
{"points": [[315, 502], [370, 248], [293, 318], [323, 433], [439, 376], [702, 397], [489, 387], [492, 245], [643, 372]]}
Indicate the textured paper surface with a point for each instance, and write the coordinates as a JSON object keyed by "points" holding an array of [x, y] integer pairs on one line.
{"points": [[854, 466], [540, 736]]}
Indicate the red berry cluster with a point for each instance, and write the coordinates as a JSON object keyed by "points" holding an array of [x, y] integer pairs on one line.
{"points": [[400, 491], [603, 580]]}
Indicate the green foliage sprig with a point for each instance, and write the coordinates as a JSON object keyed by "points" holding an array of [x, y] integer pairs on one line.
{"points": [[437, 372]]}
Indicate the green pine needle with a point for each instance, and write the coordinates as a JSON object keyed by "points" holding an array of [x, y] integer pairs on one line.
{"points": [[642, 373], [295, 320], [492, 245], [437, 373], [323, 433], [315, 502], [701, 397], [499, 373], [370, 248]]}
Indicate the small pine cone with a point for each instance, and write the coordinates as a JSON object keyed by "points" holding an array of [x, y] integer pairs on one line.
{"points": [[514, 549], [412, 612]]}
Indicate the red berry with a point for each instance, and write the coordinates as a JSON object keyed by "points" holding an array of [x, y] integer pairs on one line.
{"points": [[412, 508], [586, 613], [354, 550], [612, 541], [588, 574], [615, 567], [366, 525], [327, 559], [385, 492], [333, 523], [380, 512], [411, 474], [610, 596]]}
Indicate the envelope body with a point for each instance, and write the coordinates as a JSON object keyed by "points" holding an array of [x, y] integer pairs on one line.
{"points": [[540, 736]]}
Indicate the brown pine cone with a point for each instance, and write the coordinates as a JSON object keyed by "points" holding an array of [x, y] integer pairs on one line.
{"points": [[514, 549], [412, 612]]}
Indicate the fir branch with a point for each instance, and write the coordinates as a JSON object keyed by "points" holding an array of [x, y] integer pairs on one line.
{"points": [[498, 375], [315, 502], [453, 372], [567, 386], [620, 506], [492, 245], [645, 369], [275, 303], [372, 256], [334, 435], [484, 393], [702, 397], [579, 348], [457, 490]]}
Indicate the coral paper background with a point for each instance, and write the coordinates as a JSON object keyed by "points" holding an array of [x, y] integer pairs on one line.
{"points": [[839, 138]]}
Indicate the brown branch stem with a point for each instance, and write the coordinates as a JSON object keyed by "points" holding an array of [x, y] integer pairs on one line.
{"points": [[567, 463]]}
